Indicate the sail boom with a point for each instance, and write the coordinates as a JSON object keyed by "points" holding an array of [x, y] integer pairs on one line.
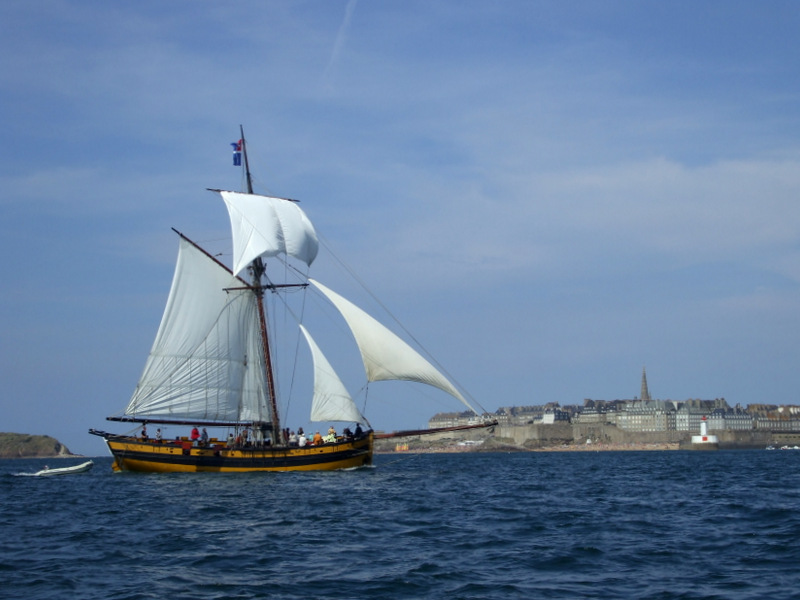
{"points": [[418, 432], [198, 422]]}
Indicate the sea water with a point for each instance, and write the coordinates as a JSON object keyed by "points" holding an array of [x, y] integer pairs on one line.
{"points": [[664, 525]]}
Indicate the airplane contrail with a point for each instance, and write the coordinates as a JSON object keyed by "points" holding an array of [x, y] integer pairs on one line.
{"points": [[341, 38]]}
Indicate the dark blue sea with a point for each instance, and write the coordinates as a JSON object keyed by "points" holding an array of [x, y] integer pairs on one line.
{"points": [[605, 525]]}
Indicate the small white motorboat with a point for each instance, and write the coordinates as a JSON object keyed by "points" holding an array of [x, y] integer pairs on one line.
{"points": [[82, 468]]}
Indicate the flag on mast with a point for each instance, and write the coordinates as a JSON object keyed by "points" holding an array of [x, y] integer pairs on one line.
{"points": [[237, 153]]}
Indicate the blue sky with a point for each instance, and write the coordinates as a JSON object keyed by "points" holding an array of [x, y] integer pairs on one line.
{"points": [[549, 195]]}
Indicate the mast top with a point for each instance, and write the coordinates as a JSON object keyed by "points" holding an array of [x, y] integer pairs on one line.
{"points": [[246, 162]]}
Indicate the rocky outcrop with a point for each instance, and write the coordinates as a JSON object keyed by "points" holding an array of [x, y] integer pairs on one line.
{"points": [[22, 445]]}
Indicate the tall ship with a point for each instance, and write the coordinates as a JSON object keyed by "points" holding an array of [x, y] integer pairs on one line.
{"points": [[211, 368]]}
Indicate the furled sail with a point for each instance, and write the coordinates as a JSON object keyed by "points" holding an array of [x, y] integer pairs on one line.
{"points": [[386, 356], [267, 226], [331, 401], [207, 360]]}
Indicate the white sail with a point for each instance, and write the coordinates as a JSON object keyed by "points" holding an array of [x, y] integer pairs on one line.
{"points": [[266, 226], [386, 356], [331, 400], [207, 360]]}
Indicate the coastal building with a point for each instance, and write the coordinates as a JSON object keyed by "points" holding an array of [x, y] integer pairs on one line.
{"points": [[450, 419], [691, 413], [600, 411], [779, 420], [649, 416], [732, 419], [591, 416], [552, 416], [456, 419], [522, 415]]}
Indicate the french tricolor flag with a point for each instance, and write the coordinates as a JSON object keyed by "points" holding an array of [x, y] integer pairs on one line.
{"points": [[237, 153]]}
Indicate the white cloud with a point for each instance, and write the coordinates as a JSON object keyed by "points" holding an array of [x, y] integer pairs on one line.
{"points": [[567, 223]]}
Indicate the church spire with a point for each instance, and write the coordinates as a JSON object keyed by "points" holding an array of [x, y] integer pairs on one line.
{"points": [[645, 395]]}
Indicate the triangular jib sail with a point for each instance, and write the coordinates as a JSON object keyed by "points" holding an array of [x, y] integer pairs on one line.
{"points": [[385, 355], [331, 400], [207, 361]]}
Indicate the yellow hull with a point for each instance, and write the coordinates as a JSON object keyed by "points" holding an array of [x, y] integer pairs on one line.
{"points": [[133, 454]]}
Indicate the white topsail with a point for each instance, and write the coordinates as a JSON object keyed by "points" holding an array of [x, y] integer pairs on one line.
{"points": [[385, 355], [331, 400], [207, 361], [267, 226]]}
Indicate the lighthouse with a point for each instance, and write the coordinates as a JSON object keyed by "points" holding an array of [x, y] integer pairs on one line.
{"points": [[704, 441]]}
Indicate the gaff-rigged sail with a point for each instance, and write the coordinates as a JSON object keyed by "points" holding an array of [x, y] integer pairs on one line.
{"points": [[331, 400], [385, 355], [207, 361], [263, 226]]}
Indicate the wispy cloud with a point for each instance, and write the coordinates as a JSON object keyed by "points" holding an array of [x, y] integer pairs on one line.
{"points": [[338, 45]]}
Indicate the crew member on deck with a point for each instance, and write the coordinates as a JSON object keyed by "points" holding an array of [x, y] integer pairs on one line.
{"points": [[144, 431], [195, 435], [158, 436]]}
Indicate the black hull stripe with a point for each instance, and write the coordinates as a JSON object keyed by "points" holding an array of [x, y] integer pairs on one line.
{"points": [[253, 462]]}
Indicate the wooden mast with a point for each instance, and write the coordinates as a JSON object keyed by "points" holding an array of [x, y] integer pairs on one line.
{"points": [[259, 268]]}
